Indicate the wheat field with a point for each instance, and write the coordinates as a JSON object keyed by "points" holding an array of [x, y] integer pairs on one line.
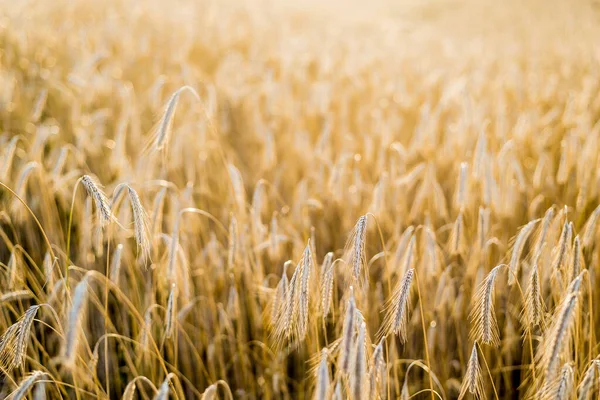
{"points": [[260, 199]]}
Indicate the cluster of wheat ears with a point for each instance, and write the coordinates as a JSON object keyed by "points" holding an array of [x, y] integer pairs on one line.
{"points": [[223, 200]]}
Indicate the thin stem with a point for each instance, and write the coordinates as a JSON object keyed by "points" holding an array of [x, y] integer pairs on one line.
{"points": [[68, 253], [424, 333], [488, 370]]}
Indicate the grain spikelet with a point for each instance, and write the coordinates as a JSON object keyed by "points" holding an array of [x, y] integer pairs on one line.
{"points": [[210, 393], [589, 381], [322, 389], [483, 226], [378, 372], [23, 335], [558, 336], [359, 365], [327, 284], [396, 318], [483, 316], [140, 225], [170, 316], [518, 247], [307, 262], [472, 381], [562, 248], [164, 128], [9, 153], [74, 323], [115, 267], [16, 295], [356, 249], [26, 385], [163, 391], [39, 393], [577, 261], [280, 293], [560, 388], [129, 391], [543, 230], [8, 343], [589, 229], [100, 199], [457, 241], [347, 335], [534, 307]]}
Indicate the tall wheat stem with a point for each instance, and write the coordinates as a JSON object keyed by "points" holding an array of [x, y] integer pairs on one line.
{"points": [[424, 333]]}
